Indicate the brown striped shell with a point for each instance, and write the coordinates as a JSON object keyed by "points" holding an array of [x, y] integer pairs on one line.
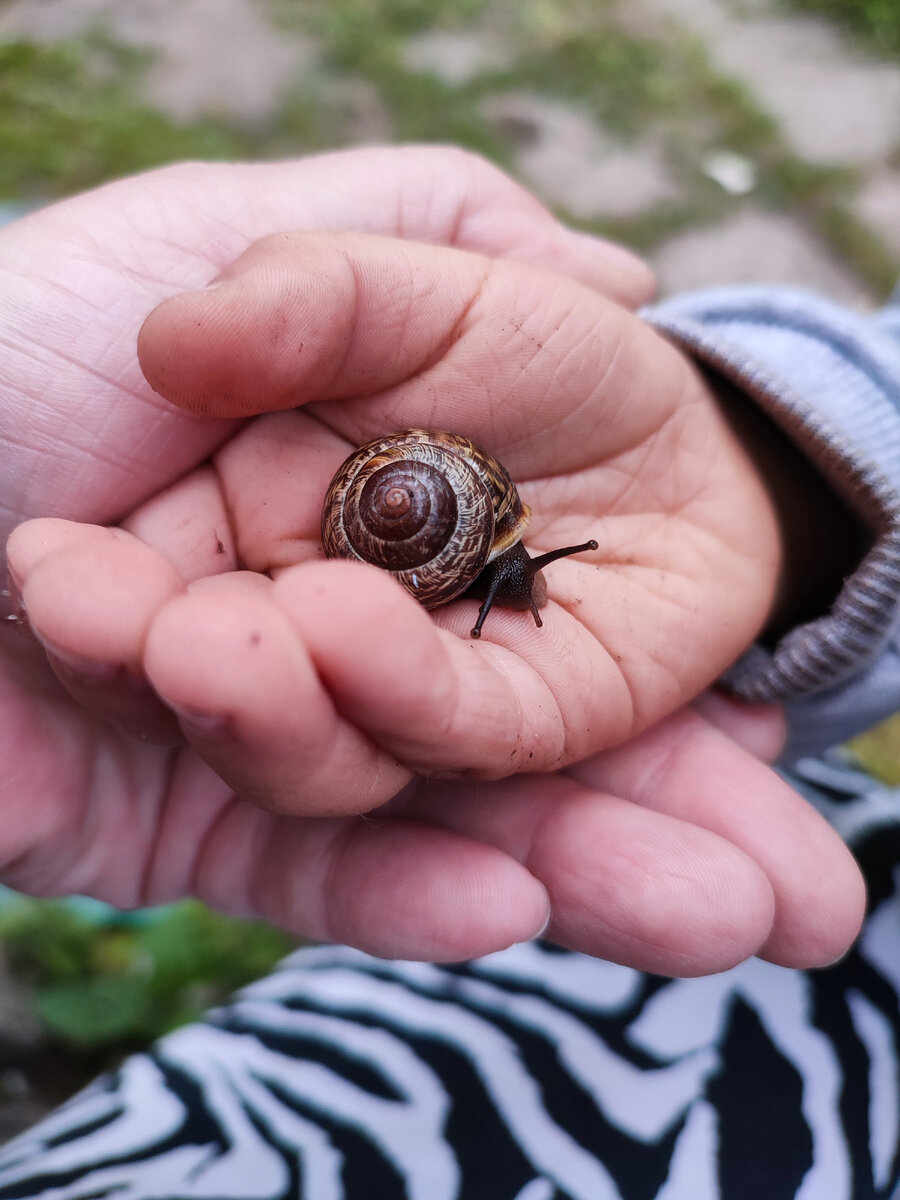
{"points": [[432, 508]]}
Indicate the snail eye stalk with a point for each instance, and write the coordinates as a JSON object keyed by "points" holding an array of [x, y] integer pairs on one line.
{"points": [[512, 580]]}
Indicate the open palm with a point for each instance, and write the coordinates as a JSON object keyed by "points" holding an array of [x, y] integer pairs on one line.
{"points": [[320, 690]]}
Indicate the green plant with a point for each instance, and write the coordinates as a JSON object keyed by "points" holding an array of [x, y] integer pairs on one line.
{"points": [[99, 984], [68, 124]]}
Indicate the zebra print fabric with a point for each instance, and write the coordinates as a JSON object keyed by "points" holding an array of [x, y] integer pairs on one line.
{"points": [[533, 1074]]}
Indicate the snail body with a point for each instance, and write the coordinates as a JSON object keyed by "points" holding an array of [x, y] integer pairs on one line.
{"points": [[442, 515]]}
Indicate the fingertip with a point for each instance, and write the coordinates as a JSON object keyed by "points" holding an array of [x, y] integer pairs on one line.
{"points": [[265, 335], [650, 891], [408, 891], [89, 602], [34, 540], [832, 916], [214, 650], [611, 269], [250, 702], [761, 729], [93, 598], [376, 648], [439, 703], [495, 215]]}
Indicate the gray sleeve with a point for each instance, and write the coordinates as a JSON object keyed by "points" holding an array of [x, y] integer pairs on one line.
{"points": [[830, 379]]}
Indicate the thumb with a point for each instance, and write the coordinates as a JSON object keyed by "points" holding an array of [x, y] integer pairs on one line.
{"points": [[302, 317]]}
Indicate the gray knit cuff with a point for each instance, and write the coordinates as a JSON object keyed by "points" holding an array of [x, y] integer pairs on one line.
{"points": [[830, 379]]}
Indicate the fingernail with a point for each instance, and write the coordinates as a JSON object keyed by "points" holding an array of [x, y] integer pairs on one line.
{"points": [[203, 725], [546, 925], [90, 671]]}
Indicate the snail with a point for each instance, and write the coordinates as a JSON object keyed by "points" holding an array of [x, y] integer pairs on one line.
{"points": [[443, 516]]}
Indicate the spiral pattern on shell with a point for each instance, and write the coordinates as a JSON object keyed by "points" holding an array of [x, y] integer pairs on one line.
{"points": [[432, 508]]}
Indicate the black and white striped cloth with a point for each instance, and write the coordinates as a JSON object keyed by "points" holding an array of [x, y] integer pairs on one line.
{"points": [[533, 1074]]}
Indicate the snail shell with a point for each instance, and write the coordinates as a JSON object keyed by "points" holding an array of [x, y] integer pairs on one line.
{"points": [[432, 508]]}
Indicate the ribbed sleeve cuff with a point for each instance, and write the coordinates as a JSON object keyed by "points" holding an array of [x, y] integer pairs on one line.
{"points": [[830, 379]]}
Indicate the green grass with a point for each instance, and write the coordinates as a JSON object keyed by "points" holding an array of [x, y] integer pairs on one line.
{"points": [[73, 117], [70, 121]]}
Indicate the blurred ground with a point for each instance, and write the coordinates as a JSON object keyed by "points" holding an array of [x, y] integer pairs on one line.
{"points": [[729, 140]]}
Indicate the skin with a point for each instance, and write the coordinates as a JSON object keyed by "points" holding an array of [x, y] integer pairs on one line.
{"points": [[194, 702]]}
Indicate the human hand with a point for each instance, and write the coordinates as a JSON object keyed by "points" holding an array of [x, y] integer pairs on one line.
{"points": [[272, 669], [608, 430], [680, 853], [157, 822]]}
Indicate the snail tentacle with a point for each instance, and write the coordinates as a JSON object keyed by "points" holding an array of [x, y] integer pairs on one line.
{"points": [[512, 580]]}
